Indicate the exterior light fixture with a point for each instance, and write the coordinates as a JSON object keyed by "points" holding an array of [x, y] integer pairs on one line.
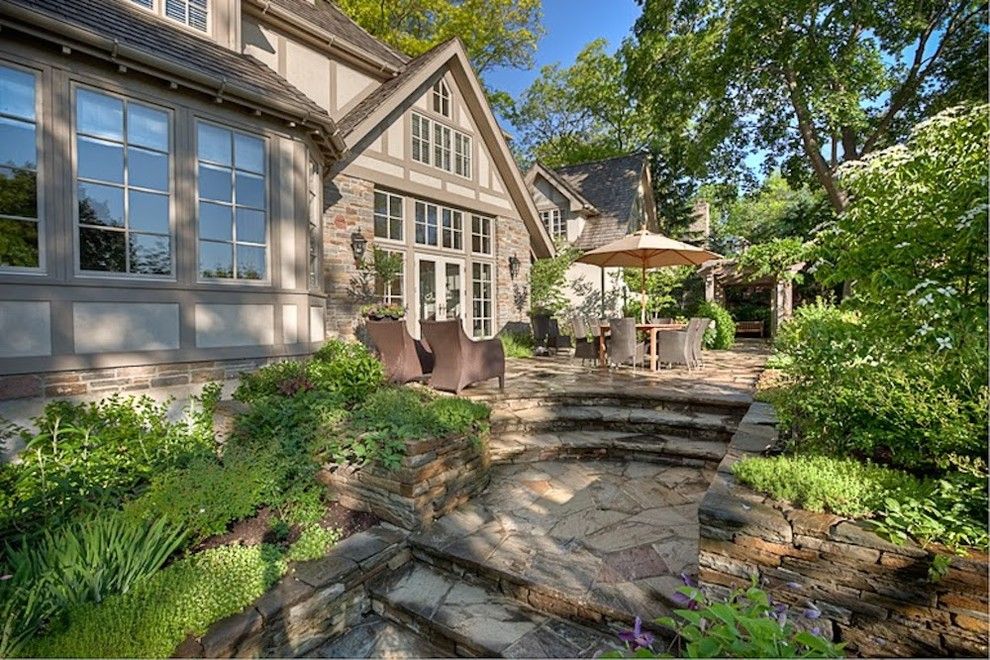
{"points": [[358, 245], [513, 266]]}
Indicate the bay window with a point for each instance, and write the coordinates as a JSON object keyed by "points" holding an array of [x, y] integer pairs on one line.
{"points": [[20, 216]]}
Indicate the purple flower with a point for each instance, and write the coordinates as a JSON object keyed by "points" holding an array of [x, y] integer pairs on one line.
{"points": [[688, 580], [812, 613], [816, 631], [685, 601], [794, 585], [637, 638]]}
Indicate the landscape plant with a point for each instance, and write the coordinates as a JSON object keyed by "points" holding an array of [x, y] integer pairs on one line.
{"points": [[722, 334]]}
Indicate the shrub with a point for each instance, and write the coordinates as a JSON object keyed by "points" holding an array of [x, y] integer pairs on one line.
{"points": [[151, 619], [85, 456], [843, 486], [517, 344], [270, 380], [313, 543], [347, 369], [723, 335], [83, 562]]}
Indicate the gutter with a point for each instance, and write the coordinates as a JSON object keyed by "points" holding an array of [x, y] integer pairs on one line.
{"points": [[112, 50]]}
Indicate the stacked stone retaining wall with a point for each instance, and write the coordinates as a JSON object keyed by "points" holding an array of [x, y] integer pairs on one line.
{"points": [[875, 596]]}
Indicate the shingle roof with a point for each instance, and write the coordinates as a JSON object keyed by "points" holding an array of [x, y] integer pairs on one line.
{"points": [[328, 16], [384, 92], [139, 29], [611, 185]]}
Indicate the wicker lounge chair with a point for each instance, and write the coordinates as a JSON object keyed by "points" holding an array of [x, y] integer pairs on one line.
{"points": [[460, 361], [405, 358]]}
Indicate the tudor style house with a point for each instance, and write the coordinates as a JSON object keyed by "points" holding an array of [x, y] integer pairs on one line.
{"points": [[184, 185], [588, 205]]}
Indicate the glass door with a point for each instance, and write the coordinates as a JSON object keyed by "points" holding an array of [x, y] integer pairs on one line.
{"points": [[439, 289]]}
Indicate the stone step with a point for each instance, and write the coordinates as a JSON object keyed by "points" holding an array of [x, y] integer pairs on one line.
{"points": [[464, 616], [376, 637], [734, 404], [551, 575], [666, 449], [690, 425]]}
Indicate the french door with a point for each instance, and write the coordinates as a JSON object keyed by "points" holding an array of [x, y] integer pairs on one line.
{"points": [[440, 290]]}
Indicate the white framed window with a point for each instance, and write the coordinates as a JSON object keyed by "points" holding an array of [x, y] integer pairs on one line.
{"points": [[315, 233], [232, 205], [393, 292], [553, 221], [147, 4], [123, 175], [421, 127], [20, 203], [193, 13], [441, 146], [426, 223], [441, 98], [451, 229], [462, 155], [481, 234], [481, 299], [389, 222]]}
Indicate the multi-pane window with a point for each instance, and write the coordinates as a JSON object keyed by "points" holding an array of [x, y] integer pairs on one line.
{"points": [[451, 229], [147, 4], [441, 98], [426, 223], [193, 13], [554, 222], [441, 146], [388, 216], [20, 221], [421, 139], [233, 217], [462, 155], [481, 234], [314, 236], [481, 301], [123, 185], [392, 292]]}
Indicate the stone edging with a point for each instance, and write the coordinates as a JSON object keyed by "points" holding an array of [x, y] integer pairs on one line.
{"points": [[873, 595], [316, 601]]}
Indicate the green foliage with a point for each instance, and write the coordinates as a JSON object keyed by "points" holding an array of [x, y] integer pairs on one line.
{"points": [[547, 279], [665, 289], [271, 380], [208, 494], [723, 335], [775, 210], [517, 344], [313, 543], [155, 615], [383, 311], [347, 369], [87, 456], [83, 562], [843, 486], [496, 33], [774, 259]]}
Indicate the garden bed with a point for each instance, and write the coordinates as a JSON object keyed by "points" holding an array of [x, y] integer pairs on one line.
{"points": [[876, 596]]}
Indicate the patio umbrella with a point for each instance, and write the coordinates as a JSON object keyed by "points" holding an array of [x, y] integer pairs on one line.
{"points": [[643, 250]]}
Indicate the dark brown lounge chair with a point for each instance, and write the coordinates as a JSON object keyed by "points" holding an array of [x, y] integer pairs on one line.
{"points": [[405, 358], [460, 361]]}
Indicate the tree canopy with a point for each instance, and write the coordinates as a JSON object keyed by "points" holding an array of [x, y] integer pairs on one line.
{"points": [[811, 83], [494, 32]]}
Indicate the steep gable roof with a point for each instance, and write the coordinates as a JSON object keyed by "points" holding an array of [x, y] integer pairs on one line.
{"points": [[578, 201], [376, 112], [612, 186]]}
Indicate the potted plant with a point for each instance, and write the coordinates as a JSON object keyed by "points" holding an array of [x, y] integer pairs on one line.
{"points": [[383, 312]]}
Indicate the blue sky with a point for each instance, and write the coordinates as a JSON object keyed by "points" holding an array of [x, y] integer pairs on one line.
{"points": [[569, 25]]}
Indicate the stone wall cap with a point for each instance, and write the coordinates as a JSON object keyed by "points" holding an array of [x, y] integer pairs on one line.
{"points": [[856, 533], [227, 633]]}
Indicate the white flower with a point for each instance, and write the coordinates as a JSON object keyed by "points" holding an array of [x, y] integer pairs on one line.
{"points": [[926, 299], [202, 510], [902, 245], [947, 291], [924, 329], [944, 342]]}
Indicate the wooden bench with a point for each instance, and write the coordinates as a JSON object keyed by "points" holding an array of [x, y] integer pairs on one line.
{"points": [[749, 328]]}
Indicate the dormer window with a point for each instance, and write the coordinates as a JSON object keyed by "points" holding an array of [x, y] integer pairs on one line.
{"points": [[555, 224], [192, 13], [441, 98]]}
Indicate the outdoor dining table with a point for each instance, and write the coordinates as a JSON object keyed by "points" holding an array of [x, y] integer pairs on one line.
{"points": [[651, 328]]}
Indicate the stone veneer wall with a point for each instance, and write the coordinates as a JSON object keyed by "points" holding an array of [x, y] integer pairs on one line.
{"points": [[314, 603], [436, 476], [511, 295], [126, 379], [873, 595], [351, 203]]}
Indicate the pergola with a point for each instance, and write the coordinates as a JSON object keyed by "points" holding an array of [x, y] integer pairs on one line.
{"points": [[721, 273]]}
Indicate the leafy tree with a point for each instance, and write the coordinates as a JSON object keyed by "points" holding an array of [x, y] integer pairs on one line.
{"points": [[547, 280], [494, 32], [807, 81]]}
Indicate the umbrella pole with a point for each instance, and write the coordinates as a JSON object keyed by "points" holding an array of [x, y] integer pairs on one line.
{"points": [[642, 297], [603, 292]]}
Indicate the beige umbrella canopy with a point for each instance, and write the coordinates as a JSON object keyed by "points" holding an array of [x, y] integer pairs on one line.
{"points": [[644, 250]]}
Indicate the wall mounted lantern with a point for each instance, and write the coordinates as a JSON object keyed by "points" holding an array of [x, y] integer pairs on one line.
{"points": [[513, 266], [358, 245]]}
